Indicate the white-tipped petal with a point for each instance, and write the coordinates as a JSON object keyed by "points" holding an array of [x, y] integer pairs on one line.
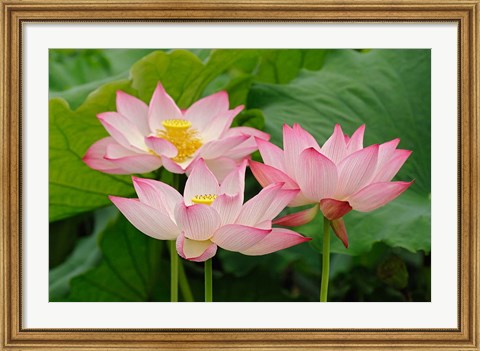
{"points": [[278, 239], [318, 177], [157, 195], [201, 181], [161, 108], [148, 220], [236, 237], [196, 251], [266, 205], [198, 222]]}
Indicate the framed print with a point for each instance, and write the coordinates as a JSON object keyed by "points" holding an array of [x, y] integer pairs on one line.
{"points": [[272, 175]]}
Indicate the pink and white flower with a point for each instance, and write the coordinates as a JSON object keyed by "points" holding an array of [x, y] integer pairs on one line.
{"points": [[211, 215], [340, 176], [144, 138]]}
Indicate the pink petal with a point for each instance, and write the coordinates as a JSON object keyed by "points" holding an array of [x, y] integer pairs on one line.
{"points": [[386, 152], [161, 146], [267, 175], [200, 182], [266, 205], [338, 226], [196, 251], [157, 195], [356, 171], [335, 148], [300, 200], [295, 140], [220, 125], [391, 167], [94, 157], [162, 107], [198, 222], [135, 110], [236, 237], [221, 167], [234, 182], [220, 147], [122, 130], [115, 150], [136, 163], [317, 175], [228, 207], [298, 218], [278, 239], [172, 166], [242, 150], [333, 209], [148, 220], [305, 138], [355, 143], [272, 155], [249, 131], [203, 112], [376, 195]]}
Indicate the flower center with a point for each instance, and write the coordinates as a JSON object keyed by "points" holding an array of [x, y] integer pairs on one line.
{"points": [[181, 134], [204, 199]]}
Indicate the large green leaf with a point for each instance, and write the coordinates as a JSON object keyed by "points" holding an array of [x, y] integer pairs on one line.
{"points": [[405, 222], [63, 236], [74, 187], [276, 66], [184, 75], [130, 269], [75, 73], [175, 71], [281, 66], [389, 90], [85, 256], [70, 67]]}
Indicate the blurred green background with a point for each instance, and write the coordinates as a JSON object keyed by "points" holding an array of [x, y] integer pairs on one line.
{"points": [[96, 255]]}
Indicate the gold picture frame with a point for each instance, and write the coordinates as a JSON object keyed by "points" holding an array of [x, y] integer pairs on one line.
{"points": [[465, 14]]}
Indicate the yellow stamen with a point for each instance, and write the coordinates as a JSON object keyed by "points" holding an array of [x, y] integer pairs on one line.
{"points": [[204, 199], [181, 134]]}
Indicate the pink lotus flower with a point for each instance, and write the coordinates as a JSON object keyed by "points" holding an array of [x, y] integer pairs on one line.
{"points": [[340, 176], [210, 215], [144, 138]]}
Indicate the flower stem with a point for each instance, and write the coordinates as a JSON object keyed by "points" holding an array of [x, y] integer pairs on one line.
{"points": [[184, 285], [208, 281], [173, 272], [174, 261], [176, 181], [325, 260]]}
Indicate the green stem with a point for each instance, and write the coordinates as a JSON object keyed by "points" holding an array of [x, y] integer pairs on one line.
{"points": [[208, 281], [176, 181], [174, 260], [173, 272], [184, 285], [325, 260]]}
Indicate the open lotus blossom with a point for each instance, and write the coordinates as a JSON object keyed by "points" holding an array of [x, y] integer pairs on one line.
{"points": [[211, 215], [340, 176], [144, 138]]}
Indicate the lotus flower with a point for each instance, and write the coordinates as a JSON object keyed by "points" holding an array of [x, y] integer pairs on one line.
{"points": [[340, 176], [210, 215], [144, 138]]}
